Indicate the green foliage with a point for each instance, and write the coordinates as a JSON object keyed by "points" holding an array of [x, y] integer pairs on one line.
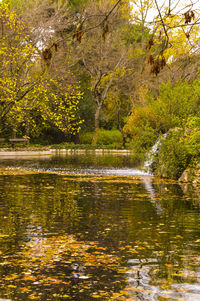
{"points": [[86, 138], [109, 138], [78, 3], [146, 137], [176, 103], [87, 103], [173, 106], [41, 99], [133, 34], [180, 149], [33, 98], [174, 111], [173, 157], [192, 122], [191, 137]]}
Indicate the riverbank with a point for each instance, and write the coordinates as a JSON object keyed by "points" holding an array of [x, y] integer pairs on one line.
{"points": [[50, 152]]}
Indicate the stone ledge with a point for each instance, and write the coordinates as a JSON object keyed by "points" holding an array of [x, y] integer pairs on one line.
{"points": [[50, 152]]}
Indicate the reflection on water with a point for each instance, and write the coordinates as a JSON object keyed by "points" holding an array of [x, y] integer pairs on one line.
{"points": [[74, 163], [104, 235], [118, 165]]}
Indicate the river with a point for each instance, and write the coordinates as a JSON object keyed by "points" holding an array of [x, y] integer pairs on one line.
{"points": [[96, 227]]}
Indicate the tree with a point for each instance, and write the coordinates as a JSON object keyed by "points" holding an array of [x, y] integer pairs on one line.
{"points": [[102, 52], [16, 56], [58, 25], [27, 86], [117, 55], [175, 33]]}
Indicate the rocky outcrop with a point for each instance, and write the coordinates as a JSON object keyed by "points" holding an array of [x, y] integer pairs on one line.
{"points": [[191, 175]]}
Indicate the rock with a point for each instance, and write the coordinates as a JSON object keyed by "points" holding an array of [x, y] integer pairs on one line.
{"points": [[191, 175]]}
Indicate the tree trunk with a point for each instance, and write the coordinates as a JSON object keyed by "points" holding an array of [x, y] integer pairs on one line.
{"points": [[121, 131], [124, 139], [27, 129], [14, 133], [96, 124]]}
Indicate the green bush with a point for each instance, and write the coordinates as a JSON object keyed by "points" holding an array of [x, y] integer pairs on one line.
{"points": [[106, 138], [144, 139], [86, 138], [192, 136], [173, 157], [177, 105], [192, 142]]}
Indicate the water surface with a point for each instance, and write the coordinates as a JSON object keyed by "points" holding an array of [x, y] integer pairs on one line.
{"points": [[96, 228]]}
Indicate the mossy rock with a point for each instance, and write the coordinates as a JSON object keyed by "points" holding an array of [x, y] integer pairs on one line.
{"points": [[191, 175]]}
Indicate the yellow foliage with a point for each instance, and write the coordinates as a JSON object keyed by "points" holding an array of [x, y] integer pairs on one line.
{"points": [[24, 88]]}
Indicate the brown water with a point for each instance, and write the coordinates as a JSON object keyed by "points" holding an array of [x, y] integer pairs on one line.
{"points": [[96, 229]]}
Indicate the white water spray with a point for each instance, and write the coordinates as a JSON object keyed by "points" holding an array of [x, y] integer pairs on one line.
{"points": [[152, 153]]}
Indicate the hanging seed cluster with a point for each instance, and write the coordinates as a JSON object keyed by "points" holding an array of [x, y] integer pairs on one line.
{"points": [[156, 64], [47, 54], [189, 16], [105, 30], [149, 44], [78, 33]]}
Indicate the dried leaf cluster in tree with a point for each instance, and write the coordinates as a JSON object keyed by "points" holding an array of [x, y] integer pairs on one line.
{"points": [[78, 33], [105, 30], [149, 44], [189, 16], [47, 54], [156, 64]]}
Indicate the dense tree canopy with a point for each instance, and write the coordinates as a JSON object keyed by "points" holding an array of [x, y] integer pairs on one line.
{"points": [[28, 88], [112, 55]]}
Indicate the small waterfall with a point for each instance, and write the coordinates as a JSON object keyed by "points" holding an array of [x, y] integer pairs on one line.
{"points": [[152, 153]]}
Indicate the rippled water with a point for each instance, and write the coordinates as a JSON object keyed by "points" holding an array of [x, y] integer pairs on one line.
{"points": [[96, 227], [119, 165]]}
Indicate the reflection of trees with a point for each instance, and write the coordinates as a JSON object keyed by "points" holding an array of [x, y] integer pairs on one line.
{"points": [[95, 160], [101, 208], [42, 207], [115, 214], [192, 193], [38, 200], [164, 241]]}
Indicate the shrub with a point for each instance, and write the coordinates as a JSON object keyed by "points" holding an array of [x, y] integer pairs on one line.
{"points": [[192, 136], [174, 106], [173, 156], [106, 138], [86, 138], [142, 141]]}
